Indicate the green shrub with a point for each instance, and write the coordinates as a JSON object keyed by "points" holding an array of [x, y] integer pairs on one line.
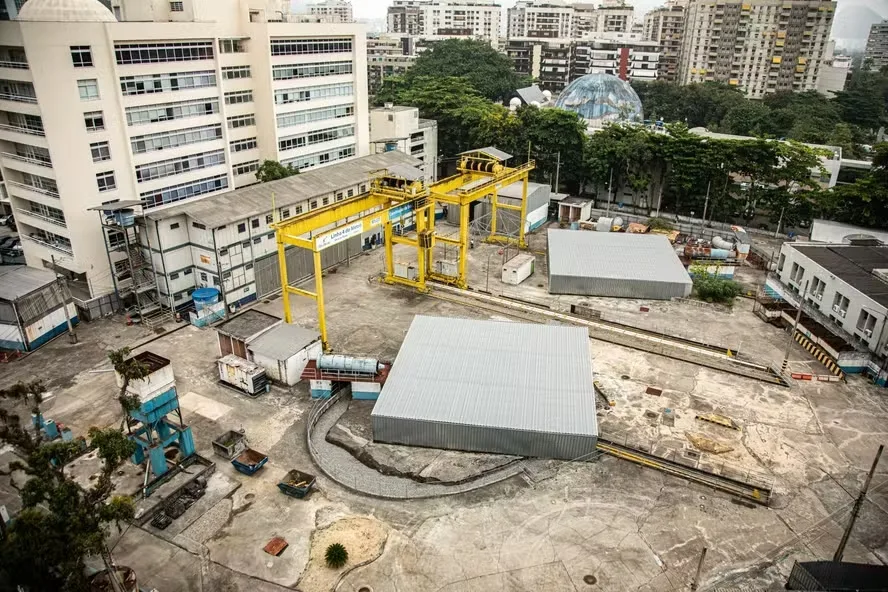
{"points": [[715, 289], [336, 555], [660, 224]]}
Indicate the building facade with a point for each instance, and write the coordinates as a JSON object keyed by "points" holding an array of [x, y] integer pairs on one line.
{"points": [[444, 19], [547, 61], [94, 110], [387, 56], [761, 47], [876, 54], [834, 72], [332, 11], [556, 19], [665, 26], [393, 127]]}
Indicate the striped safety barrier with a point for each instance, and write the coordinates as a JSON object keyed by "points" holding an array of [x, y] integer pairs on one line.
{"points": [[822, 357]]}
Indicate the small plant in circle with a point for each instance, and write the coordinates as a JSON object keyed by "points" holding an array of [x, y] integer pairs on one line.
{"points": [[336, 555]]}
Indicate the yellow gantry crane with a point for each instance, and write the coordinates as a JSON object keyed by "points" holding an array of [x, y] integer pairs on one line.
{"points": [[397, 192]]}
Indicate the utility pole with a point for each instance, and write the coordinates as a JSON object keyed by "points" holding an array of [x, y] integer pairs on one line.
{"points": [[660, 200], [859, 502], [779, 222], [795, 327], [557, 171], [705, 206], [610, 185], [699, 570], [63, 290]]}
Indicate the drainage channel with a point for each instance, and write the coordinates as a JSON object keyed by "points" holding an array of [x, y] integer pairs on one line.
{"points": [[639, 339]]}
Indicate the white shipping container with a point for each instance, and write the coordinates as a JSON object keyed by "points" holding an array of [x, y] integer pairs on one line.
{"points": [[406, 270], [518, 268], [241, 373]]}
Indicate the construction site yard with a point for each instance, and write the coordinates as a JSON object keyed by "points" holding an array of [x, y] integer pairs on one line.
{"points": [[606, 524]]}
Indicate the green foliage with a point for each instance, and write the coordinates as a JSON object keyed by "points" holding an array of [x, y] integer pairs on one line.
{"points": [[864, 202], [483, 68], [129, 369], [272, 170], [659, 224], [715, 289], [336, 555]]}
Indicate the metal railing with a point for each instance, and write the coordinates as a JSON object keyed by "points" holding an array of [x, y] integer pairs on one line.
{"points": [[14, 64], [57, 246], [35, 161], [18, 98], [48, 192], [43, 217], [22, 130]]}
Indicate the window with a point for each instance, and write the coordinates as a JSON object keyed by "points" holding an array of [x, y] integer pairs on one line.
{"points": [[269, 219], [245, 169], [203, 276], [313, 204], [312, 115], [242, 227], [199, 226], [170, 111], [325, 201], [237, 121], [105, 181], [304, 46], [285, 213], [317, 158], [316, 137], [363, 189], [245, 244], [254, 223], [171, 139], [176, 7], [270, 235], [175, 166], [187, 271], [339, 196], [780, 262], [182, 191], [81, 56], [174, 226], [257, 240], [237, 97], [235, 72], [840, 305], [291, 71], [100, 151], [866, 322], [178, 296], [223, 252], [88, 89], [351, 192], [241, 145], [232, 46], [298, 210], [174, 276], [325, 91], [147, 53], [817, 287], [157, 83]]}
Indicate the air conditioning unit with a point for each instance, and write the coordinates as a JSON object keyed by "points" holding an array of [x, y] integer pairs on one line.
{"points": [[835, 308], [868, 332], [842, 313]]}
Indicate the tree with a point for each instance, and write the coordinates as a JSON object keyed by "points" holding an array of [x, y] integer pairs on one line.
{"points": [[61, 523], [489, 72], [129, 369], [864, 202], [746, 119], [272, 170], [715, 289], [335, 556]]}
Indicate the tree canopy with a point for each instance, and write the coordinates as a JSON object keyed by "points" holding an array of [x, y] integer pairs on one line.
{"points": [[271, 170]]}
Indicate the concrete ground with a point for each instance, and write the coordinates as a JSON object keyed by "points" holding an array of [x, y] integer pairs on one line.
{"points": [[616, 524]]}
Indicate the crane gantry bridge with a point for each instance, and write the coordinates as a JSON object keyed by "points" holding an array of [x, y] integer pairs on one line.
{"points": [[397, 192]]}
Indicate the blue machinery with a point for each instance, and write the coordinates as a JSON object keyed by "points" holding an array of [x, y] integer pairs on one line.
{"points": [[157, 426]]}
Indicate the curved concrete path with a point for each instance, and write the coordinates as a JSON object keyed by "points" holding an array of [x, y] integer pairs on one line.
{"points": [[339, 465]]}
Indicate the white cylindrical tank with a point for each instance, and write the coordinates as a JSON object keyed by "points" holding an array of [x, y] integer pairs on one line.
{"points": [[720, 243], [514, 104], [348, 364], [604, 224]]}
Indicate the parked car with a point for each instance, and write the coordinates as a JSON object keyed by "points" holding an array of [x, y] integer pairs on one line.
{"points": [[7, 220]]}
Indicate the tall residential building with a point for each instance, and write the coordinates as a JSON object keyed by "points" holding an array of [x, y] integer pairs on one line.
{"points": [[94, 110], [876, 54], [556, 19], [332, 11], [834, 72], [387, 56], [547, 61], [442, 19], [665, 26], [760, 46]]}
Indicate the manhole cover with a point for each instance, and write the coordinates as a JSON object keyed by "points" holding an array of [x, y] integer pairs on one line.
{"points": [[365, 589], [249, 497], [590, 580]]}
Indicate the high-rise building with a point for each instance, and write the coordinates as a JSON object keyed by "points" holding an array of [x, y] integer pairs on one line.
{"points": [[388, 55], [759, 46], [332, 11], [443, 19], [834, 72], [876, 54], [556, 19], [93, 110], [665, 26], [548, 61]]}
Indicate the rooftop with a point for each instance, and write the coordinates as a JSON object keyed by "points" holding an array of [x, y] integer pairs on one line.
{"points": [[493, 374], [17, 281], [65, 11], [248, 324], [393, 108], [853, 265], [255, 200], [284, 341]]}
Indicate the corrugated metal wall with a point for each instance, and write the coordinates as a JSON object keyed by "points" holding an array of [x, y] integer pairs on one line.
{"points": [[452, 436], [300, 265], [38, 304], [617, 287]]}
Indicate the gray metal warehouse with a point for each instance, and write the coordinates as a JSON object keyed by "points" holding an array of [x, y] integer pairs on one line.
{"points": [[615, 264], [490, 386]]}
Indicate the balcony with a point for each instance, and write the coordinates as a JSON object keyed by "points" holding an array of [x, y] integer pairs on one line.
{"points": [[29, 189], [32, 214], [51, 243], [20, 129], [14, 64], [18, 97], [27, 164]]}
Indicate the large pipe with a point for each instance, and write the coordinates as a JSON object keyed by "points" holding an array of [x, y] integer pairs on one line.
{"points": [[348, 363]]}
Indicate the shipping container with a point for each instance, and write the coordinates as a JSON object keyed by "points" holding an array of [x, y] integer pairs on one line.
{"points": [[241, 374], [518, 268]]}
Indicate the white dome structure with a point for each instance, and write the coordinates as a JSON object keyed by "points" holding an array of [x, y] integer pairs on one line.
{"points": [[65, 11]]}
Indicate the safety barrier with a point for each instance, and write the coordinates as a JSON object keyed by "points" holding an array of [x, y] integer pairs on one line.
{"points": [[822, 357]]}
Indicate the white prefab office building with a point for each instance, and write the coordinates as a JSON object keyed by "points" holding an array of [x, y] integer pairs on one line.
{"points": [[614, 264], [163, 103], [490, 386]]}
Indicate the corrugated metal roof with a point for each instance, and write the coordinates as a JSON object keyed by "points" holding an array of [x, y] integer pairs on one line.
{"points": [[255, 200], [853, 265], [493, 374], [614, 255], [490, 151], [405, 172], [19, 280], [247, 324], [284, 341]]}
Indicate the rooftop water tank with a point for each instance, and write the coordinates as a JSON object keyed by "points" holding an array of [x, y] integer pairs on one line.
{"points": [[204, 297]]}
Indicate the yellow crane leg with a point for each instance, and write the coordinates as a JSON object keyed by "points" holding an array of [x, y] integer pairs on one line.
{"points": [[319, 296], [389, 252], [521, 243], [493, 206], [419, 216], [463, 244], [285, 295]]}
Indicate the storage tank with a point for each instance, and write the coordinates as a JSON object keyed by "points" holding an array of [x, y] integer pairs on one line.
{"points": [[742, 251], [204, 297], [348, 364], [618, 222], [604, 224], [719, 253], [720, 243]]}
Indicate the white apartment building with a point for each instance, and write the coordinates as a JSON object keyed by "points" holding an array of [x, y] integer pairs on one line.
{"points": [[834, 72], [332, 11], [665, 25], [178, 101], [557, 19], [387, 56], [761, 46], [622, 55], [876, 53], [394, 127], [445, 19]]}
